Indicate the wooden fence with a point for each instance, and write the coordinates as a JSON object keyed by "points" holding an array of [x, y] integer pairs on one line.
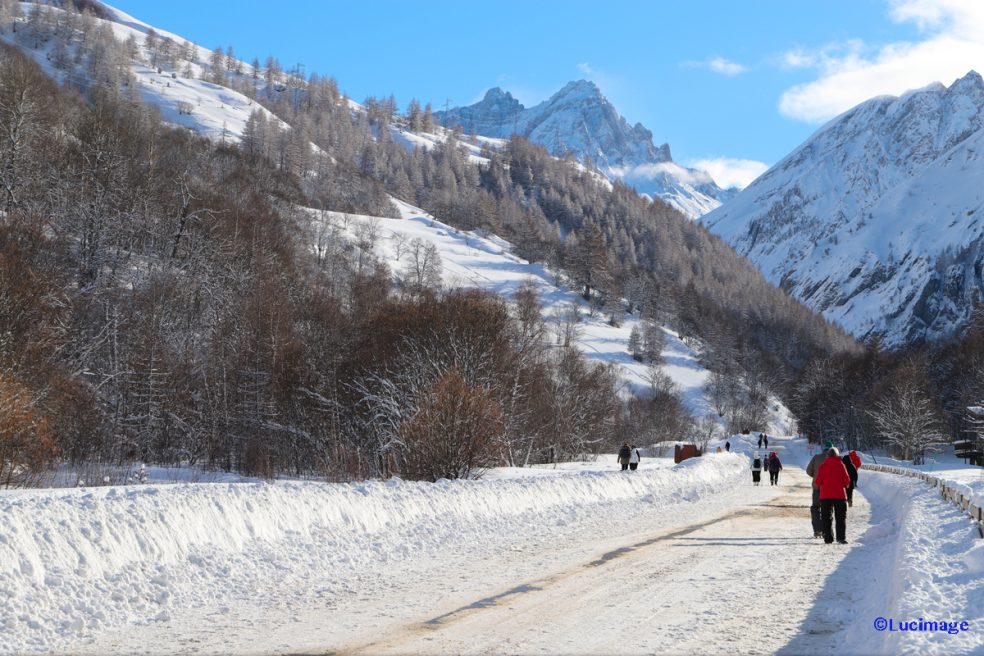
{"points": [[950, 494]]}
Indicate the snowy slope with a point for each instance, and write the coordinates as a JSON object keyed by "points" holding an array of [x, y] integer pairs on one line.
{"points": [[481, 261], [578, 119], [478, 261], [211, 110], [876, 221]]}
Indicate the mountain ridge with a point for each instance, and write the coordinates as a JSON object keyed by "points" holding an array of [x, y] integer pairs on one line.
{"points": [[873, 221], [578, 119]]}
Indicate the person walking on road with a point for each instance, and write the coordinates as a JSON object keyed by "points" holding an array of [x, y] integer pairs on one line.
{"points": [[811, 471], [727, 446], [774, 468], [833, 480], [624, 455], [760, 440], [756, 470], [852, 471], [765, 441], [634, 458]]}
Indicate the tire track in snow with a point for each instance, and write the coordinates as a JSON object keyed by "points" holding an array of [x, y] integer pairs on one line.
{"points": [[697, 587]]}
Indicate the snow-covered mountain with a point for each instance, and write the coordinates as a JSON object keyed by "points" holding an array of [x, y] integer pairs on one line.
{"points": [[876, 220], [175, 89], [578, 119]]}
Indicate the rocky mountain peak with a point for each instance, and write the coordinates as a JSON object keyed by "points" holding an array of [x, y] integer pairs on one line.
{"points": [[579, 119]]}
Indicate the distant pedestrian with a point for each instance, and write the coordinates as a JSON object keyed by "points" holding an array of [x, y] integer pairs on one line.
{"points": [[852, 472], [727, 446], [765, 441], [811, 471], [833, 480], [634, 458], [756, 470], [624, 455], [760, 440], [774, 468]]}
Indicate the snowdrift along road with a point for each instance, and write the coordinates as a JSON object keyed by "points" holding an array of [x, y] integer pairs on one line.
{"points": [[74, 563]]}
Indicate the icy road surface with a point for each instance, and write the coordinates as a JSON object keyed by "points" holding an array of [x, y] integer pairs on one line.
{"points": [[734, 572]]}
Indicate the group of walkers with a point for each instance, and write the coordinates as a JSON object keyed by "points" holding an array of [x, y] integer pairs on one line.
{"points": [[834, 479], [770, 464], [629, 456]]}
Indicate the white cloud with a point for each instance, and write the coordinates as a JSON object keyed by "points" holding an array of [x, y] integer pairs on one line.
{"points": [[799, 59], [730, 172], [649, 172], [725, 66], [585, 68], [952, 44], [718, 65]]}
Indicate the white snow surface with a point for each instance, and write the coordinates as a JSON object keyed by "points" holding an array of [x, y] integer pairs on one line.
{"points": [[80, 562], [937, 572], [876, 220], [526, 561], [953, 471]]}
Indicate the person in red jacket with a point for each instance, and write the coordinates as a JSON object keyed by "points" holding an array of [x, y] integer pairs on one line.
{"points": [[832, 479]]}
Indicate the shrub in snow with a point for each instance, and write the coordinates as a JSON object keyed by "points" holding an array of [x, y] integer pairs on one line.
{"points": [[26, 447], [454, 433]]}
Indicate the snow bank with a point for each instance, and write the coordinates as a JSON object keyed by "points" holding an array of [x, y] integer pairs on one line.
{"points": [[77, 562], [938, 567], [950, 470]]}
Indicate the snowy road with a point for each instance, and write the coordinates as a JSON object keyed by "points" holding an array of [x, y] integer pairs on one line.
{"points": [[735, 573], [742, 582]]}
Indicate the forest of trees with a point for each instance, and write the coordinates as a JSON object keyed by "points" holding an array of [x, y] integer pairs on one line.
{"points": [[162, 300], [161, 303]]}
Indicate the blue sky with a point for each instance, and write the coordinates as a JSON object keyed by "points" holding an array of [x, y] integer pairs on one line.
{"points": [[721, 82]]}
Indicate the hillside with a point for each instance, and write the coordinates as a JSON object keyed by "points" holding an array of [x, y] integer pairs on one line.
{"points": [[212, 310], [875, 220]]}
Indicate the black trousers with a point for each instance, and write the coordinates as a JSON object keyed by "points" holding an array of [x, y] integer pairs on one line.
{"points": [[774, 478], [815, 512], [837, 507], [633, 465]]}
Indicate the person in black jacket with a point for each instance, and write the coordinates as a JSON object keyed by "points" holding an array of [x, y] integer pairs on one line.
{"points": [[624, 454], [774, 468], [852, 471]]}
